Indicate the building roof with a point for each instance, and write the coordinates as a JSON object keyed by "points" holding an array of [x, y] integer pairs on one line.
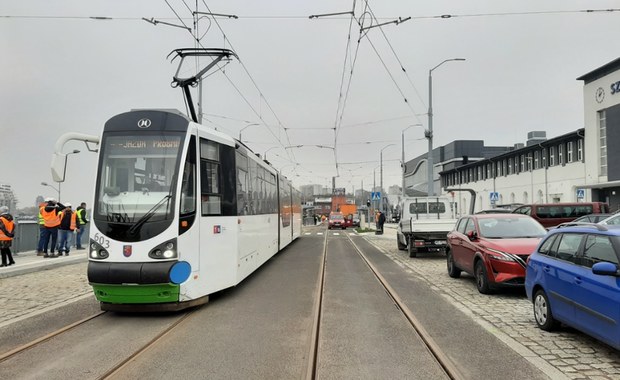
{"points": [[602, 71]]}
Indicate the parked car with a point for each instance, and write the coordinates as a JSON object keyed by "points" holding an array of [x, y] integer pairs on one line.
{"points": [[493, 248], [336, 220], [572, 277], [611, 220], [356, 221], [592, 218], [551, 215], [495, 211]]}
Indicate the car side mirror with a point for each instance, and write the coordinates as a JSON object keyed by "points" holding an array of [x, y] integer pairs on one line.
{"points": [[605, 269], [472, 235]]}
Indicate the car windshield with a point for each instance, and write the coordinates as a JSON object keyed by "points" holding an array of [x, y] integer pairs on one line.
{"points": [[612, 220], [336, 217], [509, 228]]}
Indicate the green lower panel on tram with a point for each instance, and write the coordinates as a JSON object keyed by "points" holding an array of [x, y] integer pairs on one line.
{"points": [[156, 293]]}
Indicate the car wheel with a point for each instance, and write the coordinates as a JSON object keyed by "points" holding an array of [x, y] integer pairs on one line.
{"points": [[482, 281], [542, 312], [400, 246], [453, 271], [413, 252]]}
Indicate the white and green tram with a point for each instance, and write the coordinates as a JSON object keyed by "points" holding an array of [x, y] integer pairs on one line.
{"points": [[181, 211]]}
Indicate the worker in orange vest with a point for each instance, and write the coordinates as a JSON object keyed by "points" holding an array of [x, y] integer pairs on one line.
{"points": [[51, 221], [7, 228], [41, 230], [65, 230]]}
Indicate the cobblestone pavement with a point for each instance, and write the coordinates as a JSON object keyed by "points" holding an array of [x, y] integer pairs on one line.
{"points": [[29, 293], [508, 314]]}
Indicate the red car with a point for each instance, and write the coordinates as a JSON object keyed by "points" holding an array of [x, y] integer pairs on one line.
{"points": [[336, 220], [493, 248]]}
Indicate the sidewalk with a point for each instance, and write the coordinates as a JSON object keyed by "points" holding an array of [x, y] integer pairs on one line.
{"points": [[28, 262]]}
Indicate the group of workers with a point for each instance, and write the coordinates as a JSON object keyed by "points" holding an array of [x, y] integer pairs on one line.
{"points": [[57, 223]]}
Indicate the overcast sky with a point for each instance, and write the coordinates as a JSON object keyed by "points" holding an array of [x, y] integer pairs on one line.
{"points": [[65, 72]]}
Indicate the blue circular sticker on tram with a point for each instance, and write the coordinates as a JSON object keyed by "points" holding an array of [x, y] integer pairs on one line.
{"points": [[180, 272]]}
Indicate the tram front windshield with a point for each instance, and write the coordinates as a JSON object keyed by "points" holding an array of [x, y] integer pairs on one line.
{"points": [[137, 176]]}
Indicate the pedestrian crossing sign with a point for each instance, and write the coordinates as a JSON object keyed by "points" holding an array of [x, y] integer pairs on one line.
{"points": [[581, 193], [375, 195], [494, 196]]}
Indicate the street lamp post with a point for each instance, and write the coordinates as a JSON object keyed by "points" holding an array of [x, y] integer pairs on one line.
{"points": [[265, 154], [429, 133], [381, 177], [57, 189], [403, 154], [75, 151], [249, 125]]}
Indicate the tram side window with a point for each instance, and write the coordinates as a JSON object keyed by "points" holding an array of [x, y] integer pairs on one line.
{"points": [[211, 198], [188, 186], [242, 184]]}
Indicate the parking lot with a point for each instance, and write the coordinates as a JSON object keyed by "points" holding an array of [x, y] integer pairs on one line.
{"points": [[508, 315]]}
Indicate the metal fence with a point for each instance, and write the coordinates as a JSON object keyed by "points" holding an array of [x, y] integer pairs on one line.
{"points": [[27, 236]]}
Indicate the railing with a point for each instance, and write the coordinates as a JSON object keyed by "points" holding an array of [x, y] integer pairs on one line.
{"points": [[27, 236]]}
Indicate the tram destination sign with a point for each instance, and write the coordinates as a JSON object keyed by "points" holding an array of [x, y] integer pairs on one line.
{"points": [[143, 144]]}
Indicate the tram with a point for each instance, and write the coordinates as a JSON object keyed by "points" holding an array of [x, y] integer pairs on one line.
{"points": [[181, 211]]}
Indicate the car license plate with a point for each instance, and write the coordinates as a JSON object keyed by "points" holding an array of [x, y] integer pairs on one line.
{"points": [[440, 242]]}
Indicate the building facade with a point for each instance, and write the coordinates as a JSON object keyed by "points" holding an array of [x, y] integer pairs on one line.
{"points": [[583, 165], [8, 198], [601, 94]]}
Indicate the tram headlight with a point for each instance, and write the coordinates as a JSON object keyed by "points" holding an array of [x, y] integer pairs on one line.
{"points": [[97, 252], [166, 250]]}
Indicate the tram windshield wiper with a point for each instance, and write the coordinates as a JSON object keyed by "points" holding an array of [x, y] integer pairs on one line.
{"points": [[148, 215]]}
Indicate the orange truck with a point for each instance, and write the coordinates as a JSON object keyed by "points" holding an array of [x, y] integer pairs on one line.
{"points": [[349, 211]]}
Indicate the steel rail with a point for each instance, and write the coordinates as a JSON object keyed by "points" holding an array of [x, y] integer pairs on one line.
{"points": [[117, 369], [317, 309], [47, 337], [442, 359]]}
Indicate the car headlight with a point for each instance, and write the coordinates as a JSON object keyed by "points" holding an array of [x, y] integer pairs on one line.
{"points": [[499, 255], [96, 251], [166, 250]]}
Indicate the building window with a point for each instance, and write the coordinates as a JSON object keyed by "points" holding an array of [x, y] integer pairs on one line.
{"points": [[569, 152], [530, 162], [552, 156], [522, 163], [543, 155], [489, 170], [602, 133], [561, 154], [580, 150], [536, 164], [509, 166]]}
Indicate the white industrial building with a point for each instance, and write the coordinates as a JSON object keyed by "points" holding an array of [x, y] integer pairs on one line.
{"points": [[582, 165]]}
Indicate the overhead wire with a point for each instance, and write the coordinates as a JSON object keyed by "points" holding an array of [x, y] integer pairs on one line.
{"points": [[255, 85], [284, 17], [197, 39], [402, 66]]}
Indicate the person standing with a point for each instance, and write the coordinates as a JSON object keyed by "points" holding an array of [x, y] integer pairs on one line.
{"points": [[41, 228], [381, 222], [65, 230], [51, 221], [81, 224], [7, 228]]}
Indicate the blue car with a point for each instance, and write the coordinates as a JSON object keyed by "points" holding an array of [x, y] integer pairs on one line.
{"points": [[573, 277]]}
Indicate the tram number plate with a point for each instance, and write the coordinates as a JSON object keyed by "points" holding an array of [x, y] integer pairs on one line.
{"points": [[440, 242]]}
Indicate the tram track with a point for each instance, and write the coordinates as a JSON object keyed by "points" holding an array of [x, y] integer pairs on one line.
{"points": [[442, 360], [311, 365], [446, 364], [24, 347], [118, 368]]}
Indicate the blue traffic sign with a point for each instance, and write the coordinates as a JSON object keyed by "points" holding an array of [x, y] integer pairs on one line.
{"points": [[494, 196], [581, 193], [375, 195]]}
